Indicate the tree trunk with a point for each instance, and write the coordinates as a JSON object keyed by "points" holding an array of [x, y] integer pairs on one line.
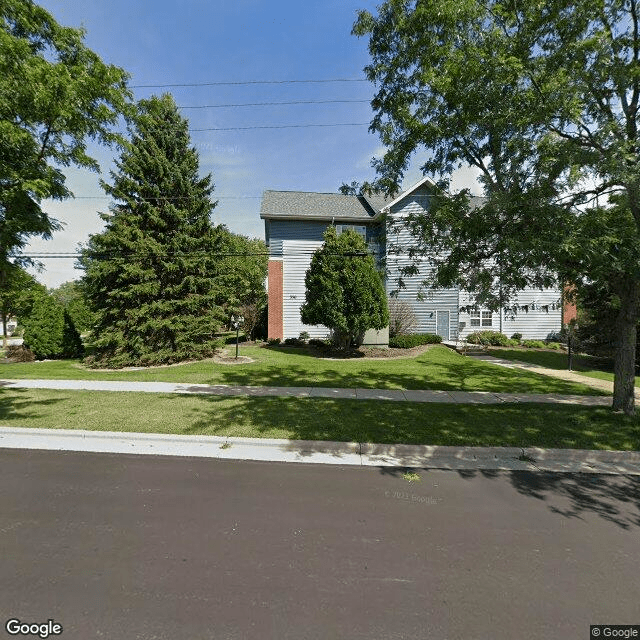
{"points": [[3, 279], [625, 356]]}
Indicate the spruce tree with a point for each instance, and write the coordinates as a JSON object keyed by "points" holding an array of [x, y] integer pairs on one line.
{"points": [[344, 289], [49, 331], [150, 276]]}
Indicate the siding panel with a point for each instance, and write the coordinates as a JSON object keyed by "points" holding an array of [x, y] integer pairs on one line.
{"points": [[533, 323], [426, 302]]}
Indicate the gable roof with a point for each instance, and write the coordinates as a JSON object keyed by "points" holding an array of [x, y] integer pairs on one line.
{"points": [[425, 181], [304, 205]]}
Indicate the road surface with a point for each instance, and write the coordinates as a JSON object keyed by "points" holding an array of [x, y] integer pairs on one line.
{"points": [[153, 548]]}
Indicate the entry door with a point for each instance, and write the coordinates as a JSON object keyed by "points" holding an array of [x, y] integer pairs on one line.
{"points": [[442, 324]]}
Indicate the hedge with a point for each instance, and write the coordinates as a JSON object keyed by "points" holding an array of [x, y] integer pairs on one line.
{"points": [[488, 338], [413, 340]]}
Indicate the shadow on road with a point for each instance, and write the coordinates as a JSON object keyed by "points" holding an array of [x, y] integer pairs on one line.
{"points": [[615, 498]]}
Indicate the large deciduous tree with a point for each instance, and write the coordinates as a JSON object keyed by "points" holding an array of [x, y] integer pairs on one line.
{"points": [[71, 296], [242, 270], [344, 289], [542, 99], [55, 95], [151, 275]]}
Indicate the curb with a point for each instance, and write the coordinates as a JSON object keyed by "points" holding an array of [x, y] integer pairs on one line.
{"points": [[324, 452]]}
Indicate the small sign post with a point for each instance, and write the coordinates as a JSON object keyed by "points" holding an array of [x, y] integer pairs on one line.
{"points": [[236, 321]]}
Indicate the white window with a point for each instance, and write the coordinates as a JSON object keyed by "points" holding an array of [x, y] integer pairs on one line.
{"points": [[480, 317], [360, 230]]}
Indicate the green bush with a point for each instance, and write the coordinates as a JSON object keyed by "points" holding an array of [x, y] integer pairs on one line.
{"points": [[488, 338], [71, 341], [516, 336], [304, 336], [513, 342], [533, 344], [554, 345], [294, 342], [413, 340], [319, 344], [273, 342]]}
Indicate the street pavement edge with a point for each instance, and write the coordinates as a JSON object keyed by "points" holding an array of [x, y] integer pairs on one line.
{"points": [[324, 452]]}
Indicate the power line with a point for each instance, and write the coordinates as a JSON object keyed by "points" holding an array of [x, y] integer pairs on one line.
{"points": [[270, 104], [166, 198], [285, 126], [120, 254], [244, 83]]}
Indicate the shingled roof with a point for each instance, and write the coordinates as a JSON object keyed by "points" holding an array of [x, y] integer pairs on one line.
{"points": [[319, 206]]}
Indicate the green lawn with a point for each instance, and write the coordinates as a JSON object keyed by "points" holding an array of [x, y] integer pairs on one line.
{"points": [[516, 425], [437, 368], [601, 368]]}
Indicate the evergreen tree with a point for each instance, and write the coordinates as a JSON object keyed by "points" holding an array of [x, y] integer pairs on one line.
{"points": [[49, 331], [150, 276], [344, 290]]}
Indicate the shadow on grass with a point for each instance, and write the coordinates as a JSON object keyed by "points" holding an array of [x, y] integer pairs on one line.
{"points": [[509, 425], [424, 372], [615, 498], [19, 404]]}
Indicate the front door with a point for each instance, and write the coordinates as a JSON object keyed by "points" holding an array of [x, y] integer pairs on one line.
{"points": [[442, 324]]}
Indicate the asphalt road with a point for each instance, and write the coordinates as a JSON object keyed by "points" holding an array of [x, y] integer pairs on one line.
{"points": [[136, 547]]}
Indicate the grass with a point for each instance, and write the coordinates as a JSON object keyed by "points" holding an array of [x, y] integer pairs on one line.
{"points": [[437, 368], [592, 366], [513, 425]]}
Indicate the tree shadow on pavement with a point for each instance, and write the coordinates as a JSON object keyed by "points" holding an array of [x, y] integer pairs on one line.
{"points": [[615, 498]]}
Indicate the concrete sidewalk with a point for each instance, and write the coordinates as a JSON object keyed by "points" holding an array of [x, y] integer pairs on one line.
{"points": [[325, 452], [570, 376], [458, 397]]}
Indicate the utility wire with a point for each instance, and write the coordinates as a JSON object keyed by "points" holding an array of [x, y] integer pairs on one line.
{"points": [[285, 126], [271, 104], [247, 82], [134, 254]]}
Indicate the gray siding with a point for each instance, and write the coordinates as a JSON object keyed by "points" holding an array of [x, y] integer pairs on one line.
{"points": [[297, 258], [426, 302], [296, 241], [538, 313]]}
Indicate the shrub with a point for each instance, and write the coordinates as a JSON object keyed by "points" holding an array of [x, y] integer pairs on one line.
{"points": [[71, 341], [533, 344], [319, 344], [273, 342], [252, 314], [304, 336], [294, 342], [516, 336], [50, 332], [402, 319], [556, 346], [513, 342], [19, 353], [413, 340], [488, 338]]}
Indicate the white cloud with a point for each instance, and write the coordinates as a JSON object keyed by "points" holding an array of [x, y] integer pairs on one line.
{"points": [[466, 178]]}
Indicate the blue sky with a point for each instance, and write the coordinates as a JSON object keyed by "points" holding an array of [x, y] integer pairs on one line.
{"points": [[200, 41]]}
